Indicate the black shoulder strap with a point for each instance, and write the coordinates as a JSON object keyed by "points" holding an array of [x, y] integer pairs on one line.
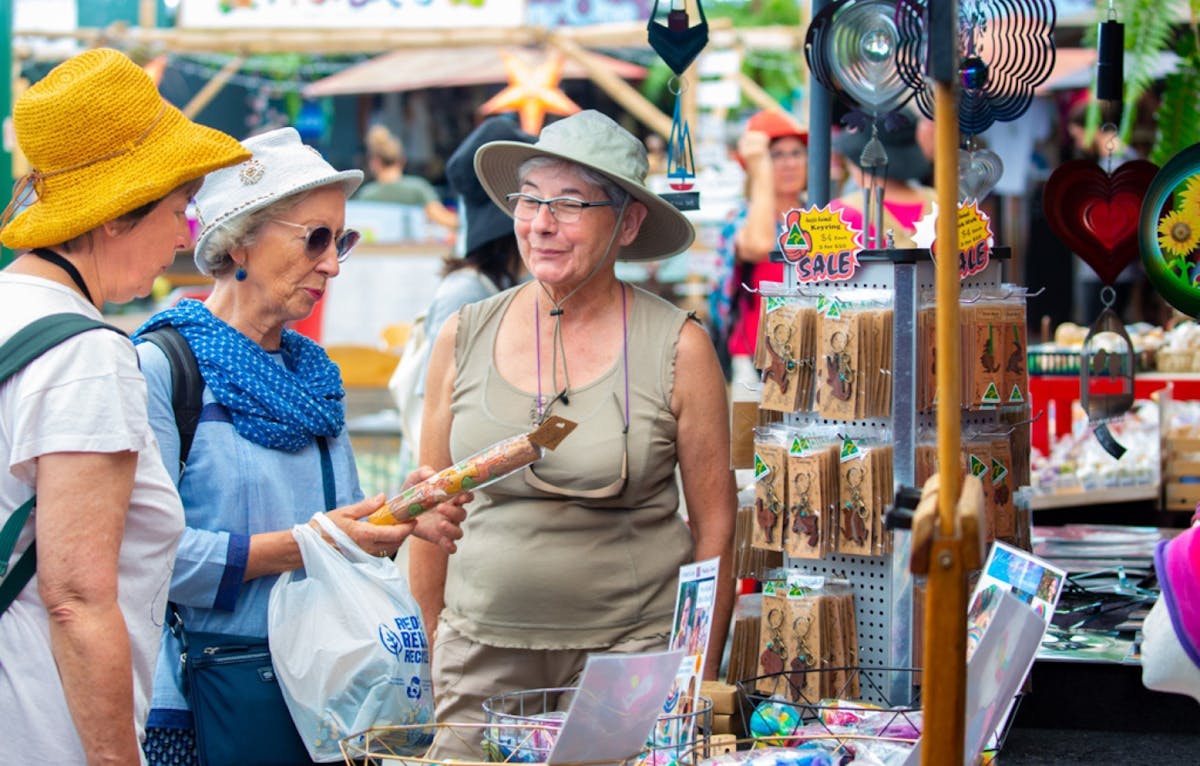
{"points": [[30, 342], [187, 385]]}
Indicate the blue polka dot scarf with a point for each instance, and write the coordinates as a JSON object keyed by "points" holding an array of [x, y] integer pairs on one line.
{"points": [[277, 406]]}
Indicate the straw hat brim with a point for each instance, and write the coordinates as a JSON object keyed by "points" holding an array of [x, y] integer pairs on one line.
{"points": [[74, 202], [664, 233]]}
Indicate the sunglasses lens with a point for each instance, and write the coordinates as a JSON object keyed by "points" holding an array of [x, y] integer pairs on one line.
{"points": [[346, 243], [318, 241]]}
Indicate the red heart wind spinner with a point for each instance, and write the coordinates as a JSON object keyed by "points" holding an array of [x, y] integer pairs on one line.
{"points": [[1096, 213]]}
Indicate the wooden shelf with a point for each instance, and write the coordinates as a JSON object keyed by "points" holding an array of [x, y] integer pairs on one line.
{"points": [[1105, 496]]}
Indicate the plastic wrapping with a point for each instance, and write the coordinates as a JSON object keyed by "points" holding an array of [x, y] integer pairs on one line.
{"points": [[485, 467]]}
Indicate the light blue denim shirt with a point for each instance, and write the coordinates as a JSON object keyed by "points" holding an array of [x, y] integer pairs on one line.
{"points": [[232, 489]]}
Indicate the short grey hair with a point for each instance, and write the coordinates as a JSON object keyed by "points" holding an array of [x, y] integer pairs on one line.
{"points": [[612, 192], [242, 231]]}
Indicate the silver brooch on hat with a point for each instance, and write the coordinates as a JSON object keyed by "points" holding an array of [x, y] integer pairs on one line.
{"points": [[252, 172]]}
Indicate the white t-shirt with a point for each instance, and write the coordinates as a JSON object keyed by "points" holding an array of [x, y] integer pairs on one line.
{"points": [[85, 395]]}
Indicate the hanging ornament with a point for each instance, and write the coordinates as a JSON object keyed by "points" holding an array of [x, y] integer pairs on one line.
{"points": [[1106, 373], [531, 92], [851, 50], [1110, 57], [1169, 231], [1095, 213], [678, 43], [979, 171], [1006, 49]]}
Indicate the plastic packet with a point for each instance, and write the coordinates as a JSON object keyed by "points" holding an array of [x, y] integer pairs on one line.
{"points": [[485, 467]]}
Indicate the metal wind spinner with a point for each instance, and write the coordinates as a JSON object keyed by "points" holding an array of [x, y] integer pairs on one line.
{"points": [[1006, 50]]}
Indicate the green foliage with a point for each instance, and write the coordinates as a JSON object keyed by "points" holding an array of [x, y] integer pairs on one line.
{"points": [[1151, 28]]}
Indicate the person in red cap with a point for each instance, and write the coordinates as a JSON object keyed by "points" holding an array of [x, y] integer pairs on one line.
{"points": [[774, 151]]}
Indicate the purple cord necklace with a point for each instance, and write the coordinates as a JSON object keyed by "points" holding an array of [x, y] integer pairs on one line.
{"points": [[543, 407]]}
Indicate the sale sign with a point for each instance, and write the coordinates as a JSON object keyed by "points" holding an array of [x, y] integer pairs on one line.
{"points": [[820, 244], [975, 238]]}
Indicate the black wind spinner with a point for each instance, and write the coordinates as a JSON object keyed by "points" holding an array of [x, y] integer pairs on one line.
{"points": [[679, 42], [1006, 50]]}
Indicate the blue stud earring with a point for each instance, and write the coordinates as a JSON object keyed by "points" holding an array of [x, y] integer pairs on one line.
{"points": [[240, 274]]}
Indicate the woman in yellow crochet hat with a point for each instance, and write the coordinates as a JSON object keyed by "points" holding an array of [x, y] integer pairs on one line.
{"points": [[114, 166]]}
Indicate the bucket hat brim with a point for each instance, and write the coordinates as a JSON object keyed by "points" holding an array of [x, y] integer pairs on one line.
{"points": [[664, 233]]}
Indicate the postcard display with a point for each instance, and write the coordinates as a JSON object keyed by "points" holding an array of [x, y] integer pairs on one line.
{"points": [[858, 475]]}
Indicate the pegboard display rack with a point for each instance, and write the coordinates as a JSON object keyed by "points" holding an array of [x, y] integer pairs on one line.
{"points": [[883, 585]]}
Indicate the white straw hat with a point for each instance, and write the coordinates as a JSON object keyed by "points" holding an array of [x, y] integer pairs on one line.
{"points": [[595, 141], [281, 165]]}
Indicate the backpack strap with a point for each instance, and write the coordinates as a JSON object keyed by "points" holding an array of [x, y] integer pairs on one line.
{"points": [[187, 385], [30, 342]]}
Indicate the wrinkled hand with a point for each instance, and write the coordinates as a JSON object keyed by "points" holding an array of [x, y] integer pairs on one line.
{"points": [[753, 147], [442, 524], [378, 540]]}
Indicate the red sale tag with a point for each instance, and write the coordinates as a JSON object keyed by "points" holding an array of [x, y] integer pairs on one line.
{"points": [[820, 244]]}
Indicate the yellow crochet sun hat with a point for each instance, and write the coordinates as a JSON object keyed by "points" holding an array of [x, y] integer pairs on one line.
{"points": [[101, 142]]}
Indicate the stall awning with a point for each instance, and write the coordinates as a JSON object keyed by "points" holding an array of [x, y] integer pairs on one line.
{"points": [[443, 68]]}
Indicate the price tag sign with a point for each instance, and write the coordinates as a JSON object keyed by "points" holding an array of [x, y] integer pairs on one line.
{"points": [[975, 238], [820, 245]]}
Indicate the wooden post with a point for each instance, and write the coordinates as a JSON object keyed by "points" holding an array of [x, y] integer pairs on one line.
{"points": [[619, 90], [212, 87]]}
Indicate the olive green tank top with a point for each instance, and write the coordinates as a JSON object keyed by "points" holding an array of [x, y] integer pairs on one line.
{"points": [[543, 564]]}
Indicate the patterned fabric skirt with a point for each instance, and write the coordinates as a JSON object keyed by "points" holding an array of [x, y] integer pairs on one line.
{"points": [[170, 747]]}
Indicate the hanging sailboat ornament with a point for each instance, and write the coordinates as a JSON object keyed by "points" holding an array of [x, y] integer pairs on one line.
{"points": [[851, 50], [678, 43]]}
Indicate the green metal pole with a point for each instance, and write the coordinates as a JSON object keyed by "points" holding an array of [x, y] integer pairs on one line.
{"points": [[6, 83]]}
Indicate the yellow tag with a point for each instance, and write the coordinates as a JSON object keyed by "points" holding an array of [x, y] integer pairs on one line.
{"points": [[820, 244]]}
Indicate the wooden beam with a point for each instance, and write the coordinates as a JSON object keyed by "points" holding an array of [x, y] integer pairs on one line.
{"points": [[212, 87], [756, 94], [373, 40], [617, 89]]}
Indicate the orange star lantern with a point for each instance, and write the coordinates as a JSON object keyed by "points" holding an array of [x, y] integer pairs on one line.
{"points": [[531, 91]]}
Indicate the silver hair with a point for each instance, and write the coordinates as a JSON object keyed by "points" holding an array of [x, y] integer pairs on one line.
{"points": [[614, 193], [242, 231]]}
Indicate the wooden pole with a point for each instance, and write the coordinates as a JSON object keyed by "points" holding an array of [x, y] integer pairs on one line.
{"points": [[147, 14], [944, 679], [212, 87], [619, 90]]}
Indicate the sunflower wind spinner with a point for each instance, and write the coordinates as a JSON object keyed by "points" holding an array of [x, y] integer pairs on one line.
{"points": [[679, 42]]}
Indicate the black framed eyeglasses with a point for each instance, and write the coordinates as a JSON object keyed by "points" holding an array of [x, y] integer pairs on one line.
{"points": [[318, 238], [525, 207]]}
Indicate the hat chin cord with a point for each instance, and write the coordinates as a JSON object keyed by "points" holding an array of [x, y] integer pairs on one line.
{"points": [[557, 311]]}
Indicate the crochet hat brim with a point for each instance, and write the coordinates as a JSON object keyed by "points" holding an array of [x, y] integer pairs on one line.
{"points": [[71, 203]]}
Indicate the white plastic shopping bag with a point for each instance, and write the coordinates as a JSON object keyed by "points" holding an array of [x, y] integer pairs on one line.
{"points": [[347, 642]]}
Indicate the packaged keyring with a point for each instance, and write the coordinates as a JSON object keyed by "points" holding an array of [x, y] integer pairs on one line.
{"points": [[485, 467]]}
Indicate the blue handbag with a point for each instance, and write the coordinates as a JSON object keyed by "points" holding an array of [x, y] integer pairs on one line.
{"points": [[237, 706]]}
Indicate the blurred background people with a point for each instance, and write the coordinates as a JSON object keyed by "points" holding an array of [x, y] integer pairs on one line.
{"points": [[490, 263], [385, 162], [774, 152], [906, 200], [113, 167]]}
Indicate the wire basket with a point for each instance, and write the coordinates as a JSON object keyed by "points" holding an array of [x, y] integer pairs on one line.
{"points": [[409, 744], [676, 736], [856, 706]]}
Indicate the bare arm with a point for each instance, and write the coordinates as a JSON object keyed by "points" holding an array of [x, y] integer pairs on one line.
{"points": [[83, 499], [441, 215], [427, 563], [760, 235], [702, 412]]}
